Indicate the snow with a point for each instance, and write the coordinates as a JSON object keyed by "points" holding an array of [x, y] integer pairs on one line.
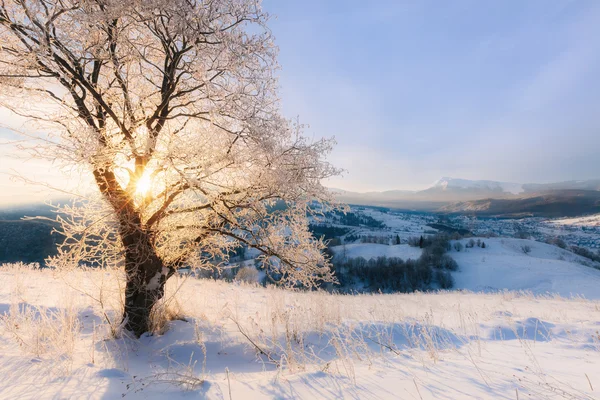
{"points": [[374, 250], [547, 269], [447, 182], [451, 345], [588, 221]]}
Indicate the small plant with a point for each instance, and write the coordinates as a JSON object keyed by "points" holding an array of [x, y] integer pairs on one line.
{"points": [[247, 274], [526, 249]]}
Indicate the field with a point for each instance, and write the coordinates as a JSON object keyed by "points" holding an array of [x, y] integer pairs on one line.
{"points": [[60, 338]]}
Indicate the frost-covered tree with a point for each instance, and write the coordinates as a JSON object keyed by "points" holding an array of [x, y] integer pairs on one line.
{"points": [[171, 106]]}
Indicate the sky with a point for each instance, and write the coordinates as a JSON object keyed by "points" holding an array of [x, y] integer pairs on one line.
{"points": [[417, 90]]}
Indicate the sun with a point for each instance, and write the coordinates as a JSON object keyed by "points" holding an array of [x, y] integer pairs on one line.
{"points": [[143, 185]]}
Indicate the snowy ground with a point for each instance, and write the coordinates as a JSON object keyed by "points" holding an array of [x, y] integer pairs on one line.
{"points": [[503, 265], [545, 269], [397, 224], [55, 342], [374, 250], [590, 221]]}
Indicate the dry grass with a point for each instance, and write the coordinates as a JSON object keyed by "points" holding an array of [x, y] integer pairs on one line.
{"points": [[291, 331]]}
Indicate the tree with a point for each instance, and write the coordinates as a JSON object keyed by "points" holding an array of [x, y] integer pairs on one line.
{"points": [[398, 241], [421, 242], [171, 107]]}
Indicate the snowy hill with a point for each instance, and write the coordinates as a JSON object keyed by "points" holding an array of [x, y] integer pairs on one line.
{"points": [[374, 250], [503, 265], [545, 269], [235, 341]]}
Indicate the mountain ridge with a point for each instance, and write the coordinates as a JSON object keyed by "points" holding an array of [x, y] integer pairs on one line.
{"points": [[445, 192]]}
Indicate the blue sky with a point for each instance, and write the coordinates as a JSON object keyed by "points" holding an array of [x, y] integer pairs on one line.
{"points": [[416, 90]]}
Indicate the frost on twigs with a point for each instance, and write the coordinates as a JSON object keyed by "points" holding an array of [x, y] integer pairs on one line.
{"points": [[170, 108]]}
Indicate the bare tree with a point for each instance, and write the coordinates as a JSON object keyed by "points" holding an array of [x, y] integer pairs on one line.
{"points": [[172, 107]]}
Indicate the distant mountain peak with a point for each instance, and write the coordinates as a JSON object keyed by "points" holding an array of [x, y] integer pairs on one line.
{"points": [[447, 183]]}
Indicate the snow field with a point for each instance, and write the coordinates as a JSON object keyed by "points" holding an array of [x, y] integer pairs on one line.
{"points": [[239, 341], [544, 269]]}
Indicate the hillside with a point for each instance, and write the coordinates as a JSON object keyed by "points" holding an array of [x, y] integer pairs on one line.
{"points": [[572, 198], [545, 269], [503, 265], [564, 203], [373, 250], [26, 241], [234, 341]]}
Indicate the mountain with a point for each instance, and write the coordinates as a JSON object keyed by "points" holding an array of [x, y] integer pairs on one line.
{"points": [[568, 185], [447, 183], [484, 196], [442, 191], [451, 189], [30, 241], [557, 203]]}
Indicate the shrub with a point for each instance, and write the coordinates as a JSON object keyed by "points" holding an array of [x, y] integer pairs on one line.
{"points": [[521, 234], [447, 262], [444, 279], [526, 249], [582, 251], [458, 246], [247, 274], [557, 242]]}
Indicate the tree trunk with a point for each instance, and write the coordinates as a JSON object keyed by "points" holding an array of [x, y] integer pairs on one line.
{"points": [[146, 276], [139, 302]]}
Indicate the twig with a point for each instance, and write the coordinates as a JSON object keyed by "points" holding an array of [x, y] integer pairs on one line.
{"points": [[590, 382], [418, 391], [257, 347], [390, 348], [228, 382]]}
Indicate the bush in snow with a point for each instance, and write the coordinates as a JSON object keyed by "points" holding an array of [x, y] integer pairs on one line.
{"points": [[447, 262], [526, 249], [247, 274], [557, 242], [585, 253], [444, 279]]}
